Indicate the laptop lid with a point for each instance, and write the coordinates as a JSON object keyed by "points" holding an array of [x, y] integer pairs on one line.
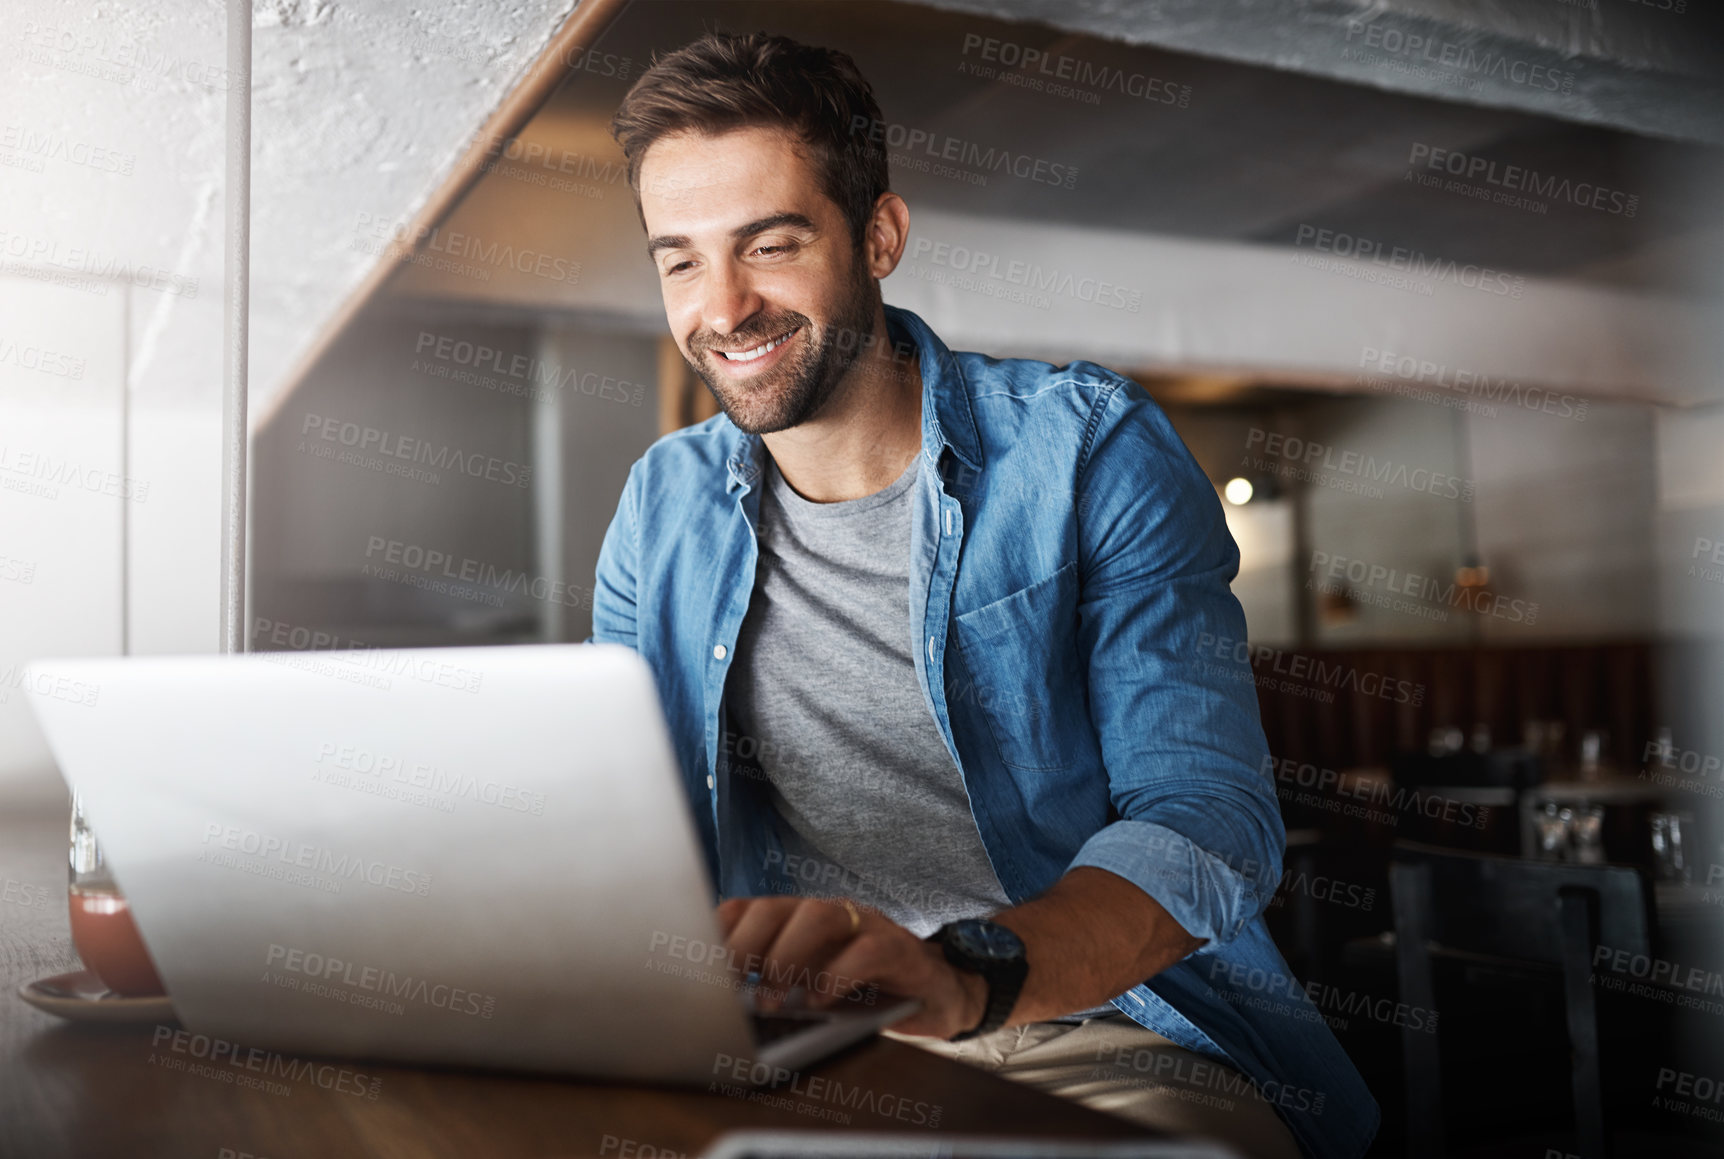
{"points": [[460, 855]]}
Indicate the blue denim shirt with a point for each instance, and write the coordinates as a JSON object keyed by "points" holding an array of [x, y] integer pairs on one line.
{"points": [[1069, 572]]}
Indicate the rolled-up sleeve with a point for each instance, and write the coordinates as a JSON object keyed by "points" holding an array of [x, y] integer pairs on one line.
{"points": [[1170, 695]]}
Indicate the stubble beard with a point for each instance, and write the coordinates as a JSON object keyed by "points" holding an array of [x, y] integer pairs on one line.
{"points": [[794, 391]]}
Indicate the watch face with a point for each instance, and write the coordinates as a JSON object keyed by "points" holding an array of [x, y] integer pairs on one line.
{"points": [[986, 940]]}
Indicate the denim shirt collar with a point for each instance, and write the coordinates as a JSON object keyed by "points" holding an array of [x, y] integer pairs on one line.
{"points": [[946, 419]]}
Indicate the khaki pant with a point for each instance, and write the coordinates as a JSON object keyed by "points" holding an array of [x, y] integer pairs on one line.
{"points": [[1112, 1064]]}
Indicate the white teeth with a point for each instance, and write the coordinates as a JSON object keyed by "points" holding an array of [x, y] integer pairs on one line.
{"points": [[763, 349]]}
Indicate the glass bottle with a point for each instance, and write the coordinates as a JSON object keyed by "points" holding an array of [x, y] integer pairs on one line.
{"points": [[102, 927], [1592, 758]]}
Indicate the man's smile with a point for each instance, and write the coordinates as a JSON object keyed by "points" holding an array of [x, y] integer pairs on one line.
{"points": [[758, 357]]}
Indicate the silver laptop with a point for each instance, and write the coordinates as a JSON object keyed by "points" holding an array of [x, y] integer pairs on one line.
{"points": [[475, 856]]}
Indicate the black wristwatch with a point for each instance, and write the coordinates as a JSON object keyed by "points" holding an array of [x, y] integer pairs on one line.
{"points": [[994, 952]]}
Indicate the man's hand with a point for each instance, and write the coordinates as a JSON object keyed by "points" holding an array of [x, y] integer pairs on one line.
{"points": [[1090, 938], [815, 944]]}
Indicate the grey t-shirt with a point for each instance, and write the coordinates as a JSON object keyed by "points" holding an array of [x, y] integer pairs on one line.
{"points": [[823, 696]]}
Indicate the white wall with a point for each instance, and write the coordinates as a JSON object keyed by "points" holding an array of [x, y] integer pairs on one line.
{"points": [[1564, 511], [111, 171], [1566, 518], [64, 491]]}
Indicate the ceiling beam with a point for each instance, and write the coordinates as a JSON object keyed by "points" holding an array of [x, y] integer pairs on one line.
{"points": [[1634, 67], [562, 56]]}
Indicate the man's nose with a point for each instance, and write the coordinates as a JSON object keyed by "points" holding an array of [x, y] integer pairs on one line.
{"points": [[729, 299]]}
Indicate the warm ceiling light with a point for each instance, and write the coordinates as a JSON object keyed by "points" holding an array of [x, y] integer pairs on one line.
{"points": [[1238, 491]]}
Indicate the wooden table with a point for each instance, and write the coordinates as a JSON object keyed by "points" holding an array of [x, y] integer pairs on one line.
{"points": [[82, 1091]]}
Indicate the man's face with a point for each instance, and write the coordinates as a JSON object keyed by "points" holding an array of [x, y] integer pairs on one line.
{"points": [[765, 294]]}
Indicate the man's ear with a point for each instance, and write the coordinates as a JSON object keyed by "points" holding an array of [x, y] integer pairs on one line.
{"points": [[887, 233]]}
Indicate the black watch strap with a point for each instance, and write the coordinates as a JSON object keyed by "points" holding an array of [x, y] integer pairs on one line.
{"points": [[1004, 978]]}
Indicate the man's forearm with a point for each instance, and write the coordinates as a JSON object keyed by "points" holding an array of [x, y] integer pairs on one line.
{"points": [[1092, 937]]}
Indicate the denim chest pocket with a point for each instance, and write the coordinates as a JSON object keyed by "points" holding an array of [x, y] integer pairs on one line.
{"points": [[1022, 655]]}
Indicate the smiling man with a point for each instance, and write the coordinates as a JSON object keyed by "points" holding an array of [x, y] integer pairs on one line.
{"points": [[929, 629]]}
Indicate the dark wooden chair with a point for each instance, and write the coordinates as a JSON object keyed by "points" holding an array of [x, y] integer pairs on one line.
{"points": [[1504, 908]]}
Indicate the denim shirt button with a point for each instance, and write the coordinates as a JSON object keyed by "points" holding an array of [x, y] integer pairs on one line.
{"points": [[718, 652]]}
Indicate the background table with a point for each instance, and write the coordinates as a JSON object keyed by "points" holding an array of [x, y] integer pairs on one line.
{"points": [[84, 1091]]}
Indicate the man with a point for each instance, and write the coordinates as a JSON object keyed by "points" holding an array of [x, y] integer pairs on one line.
{"points": [[928, 631]]}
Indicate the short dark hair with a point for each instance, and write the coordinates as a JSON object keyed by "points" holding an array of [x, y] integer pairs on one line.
{"points": [[727, 81]]}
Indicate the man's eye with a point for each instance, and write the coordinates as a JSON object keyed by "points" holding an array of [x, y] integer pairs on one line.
{"points": [[678, 268], [770, 250]]}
